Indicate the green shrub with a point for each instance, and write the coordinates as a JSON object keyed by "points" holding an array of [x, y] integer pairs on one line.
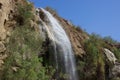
{"points": [[23, 48], [93, 63], [24, 13], [109, 40], [117, 53]]}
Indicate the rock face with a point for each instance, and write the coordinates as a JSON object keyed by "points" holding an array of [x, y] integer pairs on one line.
{"points": [[9, 17], [76, 35], [2, 47], [6, 9], [111, 57], [116, 70], [6, 21]]}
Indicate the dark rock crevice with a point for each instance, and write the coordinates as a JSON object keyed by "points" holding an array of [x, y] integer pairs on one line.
{"points": [[0, 5]]}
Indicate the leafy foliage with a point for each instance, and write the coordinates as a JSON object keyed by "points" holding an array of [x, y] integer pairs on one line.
{"points": [[110, 40], [91, 67], [94, 65], [24, 45], [117, 53]]}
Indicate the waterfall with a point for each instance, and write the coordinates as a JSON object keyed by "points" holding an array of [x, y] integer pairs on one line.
{"points": [[63, 53]]}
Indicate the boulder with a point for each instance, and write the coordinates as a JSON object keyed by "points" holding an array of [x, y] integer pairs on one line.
{"points": [[110, 55]]}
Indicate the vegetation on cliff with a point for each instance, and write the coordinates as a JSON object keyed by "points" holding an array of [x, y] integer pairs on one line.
{"points": [[23, 48], [29, 57], [94, 65]]}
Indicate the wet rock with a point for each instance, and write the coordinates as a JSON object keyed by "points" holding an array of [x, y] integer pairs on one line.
{"points": [[76, 37]]}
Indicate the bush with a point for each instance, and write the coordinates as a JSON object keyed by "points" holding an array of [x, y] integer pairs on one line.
{"points": [[24, 13], [117, 53], [109, 40], [94, 60], [24, 45]]}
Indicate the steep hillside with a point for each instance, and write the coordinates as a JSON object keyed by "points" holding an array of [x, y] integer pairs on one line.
{"points": [[32, 47], [20, 42], [6, 23], [93, 61]]}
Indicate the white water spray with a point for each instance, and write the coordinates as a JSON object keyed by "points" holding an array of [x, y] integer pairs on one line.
{"points": [[63, 51]]}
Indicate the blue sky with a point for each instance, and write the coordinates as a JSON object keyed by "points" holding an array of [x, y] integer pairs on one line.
{"points": [[98, 16]]}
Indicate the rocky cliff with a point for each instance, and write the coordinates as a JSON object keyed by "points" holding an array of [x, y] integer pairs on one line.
{"points": [[92, 60], [6, 23], [10, 19], [20, 30]]}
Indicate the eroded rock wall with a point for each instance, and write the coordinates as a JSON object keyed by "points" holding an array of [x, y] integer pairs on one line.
{"points": [[6, 22]]}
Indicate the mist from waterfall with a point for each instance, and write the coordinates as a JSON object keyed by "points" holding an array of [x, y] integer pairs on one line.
{"points": [[63, 53]]}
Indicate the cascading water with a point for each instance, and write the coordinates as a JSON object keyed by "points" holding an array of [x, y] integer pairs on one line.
{"points": [[64, 57]]}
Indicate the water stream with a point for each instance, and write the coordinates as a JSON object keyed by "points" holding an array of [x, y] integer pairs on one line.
{"points": [[64, 56]]}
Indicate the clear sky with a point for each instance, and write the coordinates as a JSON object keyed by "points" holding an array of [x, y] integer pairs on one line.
{"points": [[99, 16]]}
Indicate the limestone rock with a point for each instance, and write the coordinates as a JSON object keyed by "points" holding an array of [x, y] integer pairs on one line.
{"points": [[3, 56], [111, 57], [116, 70], [2, 47], [6, 7], [3, 34], [15, 69]]}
